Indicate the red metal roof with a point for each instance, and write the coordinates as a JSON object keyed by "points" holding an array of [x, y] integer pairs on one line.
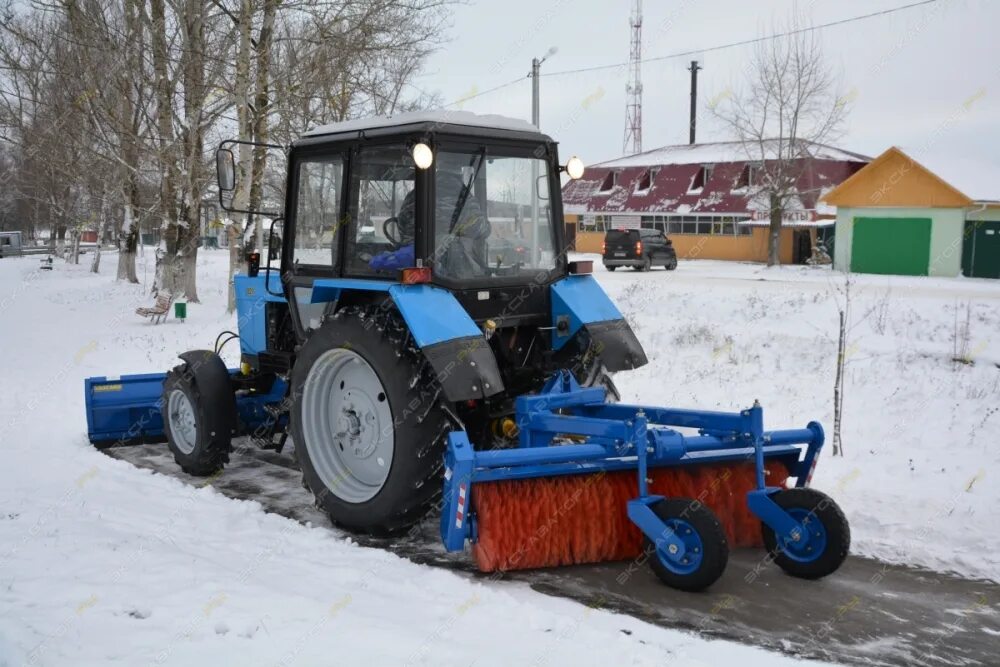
{"points": [[671, 183]]}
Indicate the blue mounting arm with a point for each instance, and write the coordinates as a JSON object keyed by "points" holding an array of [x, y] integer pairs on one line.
{"points": [[567, 430]]}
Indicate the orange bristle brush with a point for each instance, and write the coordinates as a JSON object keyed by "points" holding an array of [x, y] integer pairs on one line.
{"points": [[575, 519]]}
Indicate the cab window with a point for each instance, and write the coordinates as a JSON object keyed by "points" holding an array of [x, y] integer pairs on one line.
{"points": [[381, 228], [317, 211], [492, 218]]}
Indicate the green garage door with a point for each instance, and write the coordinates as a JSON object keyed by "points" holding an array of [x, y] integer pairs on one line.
{"points": [[981, 249], [896, 246]]}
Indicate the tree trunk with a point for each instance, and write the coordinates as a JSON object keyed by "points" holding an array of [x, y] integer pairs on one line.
{"points": [[838, 386], [60, 240], [128, 237], [193, 74], [261, 109], [167, 266], [774, 232], [128, 242], [241, 196], [95, 263], [74, 253]]}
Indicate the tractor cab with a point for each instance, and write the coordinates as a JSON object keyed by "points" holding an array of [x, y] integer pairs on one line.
{"points": [[466, 208], [473, 199]]}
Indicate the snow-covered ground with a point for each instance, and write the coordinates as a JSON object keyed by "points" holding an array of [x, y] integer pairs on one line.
{"points": [[104, 563], [918, 478]]}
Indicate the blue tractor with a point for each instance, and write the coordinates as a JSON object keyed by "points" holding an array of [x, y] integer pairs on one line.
{"points": [[428, 345]]}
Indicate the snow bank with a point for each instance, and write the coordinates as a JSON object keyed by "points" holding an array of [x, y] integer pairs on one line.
{"points": [[102, 563]]}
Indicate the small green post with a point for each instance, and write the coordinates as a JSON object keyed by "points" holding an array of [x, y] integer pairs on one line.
{"points": [[180, 310]]}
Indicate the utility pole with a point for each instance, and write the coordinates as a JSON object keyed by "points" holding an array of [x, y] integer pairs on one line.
{"points": [[694, 99], [536, 65]]}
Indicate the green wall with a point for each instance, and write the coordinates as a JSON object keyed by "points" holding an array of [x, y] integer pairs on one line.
{"points": [[947, 227]]}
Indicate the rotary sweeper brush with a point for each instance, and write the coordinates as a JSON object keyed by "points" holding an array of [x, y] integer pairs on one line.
{"points": [[427, 344]]}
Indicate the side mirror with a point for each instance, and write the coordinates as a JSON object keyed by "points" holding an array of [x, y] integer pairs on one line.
{"points": [[225, 169], [274, 236], [542, 187]]}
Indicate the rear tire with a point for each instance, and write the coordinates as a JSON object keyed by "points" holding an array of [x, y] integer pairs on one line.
{"points": [[196, 433], [646, 265], [707, 548], [829, 539], [366, 422], [610, 268]]}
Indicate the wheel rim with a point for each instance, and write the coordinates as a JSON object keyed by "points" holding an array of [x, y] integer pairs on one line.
{"points": [[694, 551], [180, 416], [812, 544], [347, 425]]}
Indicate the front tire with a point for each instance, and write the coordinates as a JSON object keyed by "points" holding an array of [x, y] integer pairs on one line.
{"points": [[828, 538], [707, 551], [366, 422], [196, 432]]}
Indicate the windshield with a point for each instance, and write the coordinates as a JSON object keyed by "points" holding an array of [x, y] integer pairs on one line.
{"points": [[489, 220]]}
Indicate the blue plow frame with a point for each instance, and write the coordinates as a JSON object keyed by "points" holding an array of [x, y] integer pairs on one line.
{"points": [[127, 409], [623, 437]]}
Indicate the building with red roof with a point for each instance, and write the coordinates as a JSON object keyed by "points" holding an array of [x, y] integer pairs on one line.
{"points": [[706, 198]]}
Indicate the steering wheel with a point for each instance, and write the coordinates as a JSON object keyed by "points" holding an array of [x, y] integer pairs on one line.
{"points": [[394, 241]]}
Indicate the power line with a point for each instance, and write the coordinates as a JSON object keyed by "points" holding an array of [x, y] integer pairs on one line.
{"points": [[684, 54], [466, 98], [745, 42]]}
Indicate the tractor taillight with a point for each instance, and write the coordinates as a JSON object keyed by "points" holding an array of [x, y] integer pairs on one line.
{"points": [[253, 264], [416, 275], [638, 247]]}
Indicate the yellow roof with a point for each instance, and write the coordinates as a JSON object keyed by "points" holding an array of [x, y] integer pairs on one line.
{"points": [[896, 179]]}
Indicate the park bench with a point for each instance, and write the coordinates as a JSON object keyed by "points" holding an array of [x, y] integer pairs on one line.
{"points": [[160, 309]]}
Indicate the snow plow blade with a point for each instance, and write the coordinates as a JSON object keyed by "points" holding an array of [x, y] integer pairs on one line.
{"points": [[124, 410], [127, 410]]}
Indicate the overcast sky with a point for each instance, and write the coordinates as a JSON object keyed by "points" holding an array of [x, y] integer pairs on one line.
{"points": [[926, 79]]}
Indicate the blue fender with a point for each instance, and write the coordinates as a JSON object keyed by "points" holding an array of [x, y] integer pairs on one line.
{"points": [[579, 302], [449, 339]]}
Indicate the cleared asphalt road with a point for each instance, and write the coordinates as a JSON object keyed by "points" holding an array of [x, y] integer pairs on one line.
{"points": [[868, 613]]}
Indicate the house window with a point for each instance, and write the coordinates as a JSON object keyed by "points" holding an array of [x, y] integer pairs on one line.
{"points": [[743, 182], [610, 181], [645, 181], [700, 179], [748, 177], [601, 223]]}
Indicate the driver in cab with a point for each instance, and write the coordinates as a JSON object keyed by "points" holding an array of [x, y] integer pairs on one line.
{"points": [[460, 227]]}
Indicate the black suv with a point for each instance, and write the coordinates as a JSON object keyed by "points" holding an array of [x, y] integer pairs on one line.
{"points": [[639, 248]]}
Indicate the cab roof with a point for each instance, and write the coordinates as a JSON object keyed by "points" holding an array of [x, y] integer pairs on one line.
{"points": [[435, 120]]}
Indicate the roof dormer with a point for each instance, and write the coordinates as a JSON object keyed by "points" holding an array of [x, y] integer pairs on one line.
{"points": [[610, 181], [700, 179], [645, 181]]}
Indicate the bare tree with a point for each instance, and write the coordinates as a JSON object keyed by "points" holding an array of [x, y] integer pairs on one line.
{"points": [[787, 106], [107, 106]]}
